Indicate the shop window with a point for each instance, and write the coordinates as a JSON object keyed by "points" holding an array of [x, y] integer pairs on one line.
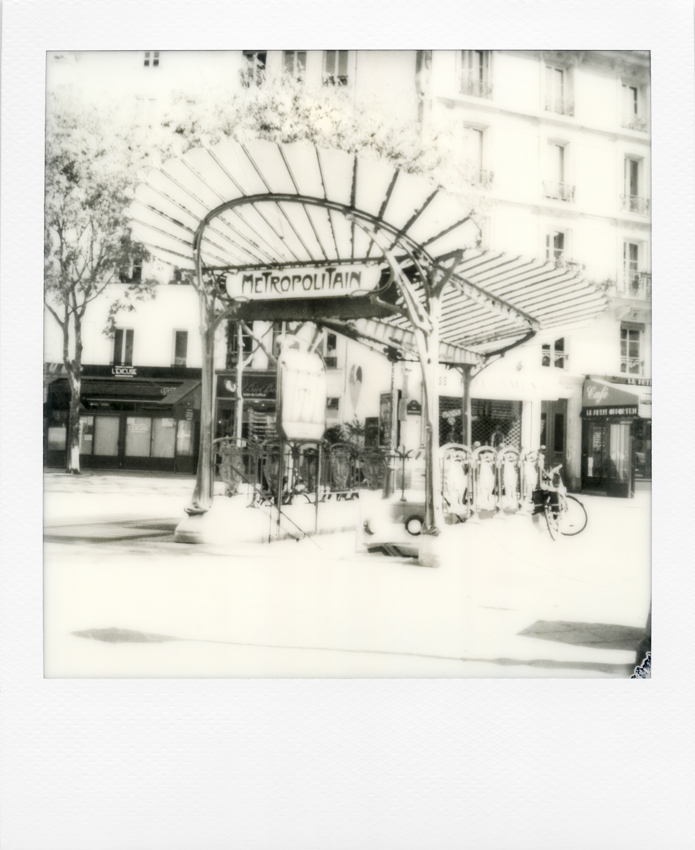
{"points": [[106, 430], [151, 59], [123, 341], [180, 347], [57, 438], [631, 362], [294, 63], [557, 186], [474, 73], [633, 199], [253, 72], [163, 437], [558, 90], [138, 436], [335, 68], [634, 107], [554, 354], [86, 435], [184, 438]]}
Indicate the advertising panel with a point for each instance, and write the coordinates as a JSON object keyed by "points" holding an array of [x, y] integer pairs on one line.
{"points": [[302, 395]]}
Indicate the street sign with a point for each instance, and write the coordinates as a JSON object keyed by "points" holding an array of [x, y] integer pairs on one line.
{"points": [[303, 282]]}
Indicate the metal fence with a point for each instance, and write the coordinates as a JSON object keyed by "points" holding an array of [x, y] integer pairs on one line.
{"points": [[480, 480]]}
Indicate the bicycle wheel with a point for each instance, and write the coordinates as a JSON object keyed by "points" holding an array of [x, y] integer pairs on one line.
{"points": [[552, 517], [573, 518]]}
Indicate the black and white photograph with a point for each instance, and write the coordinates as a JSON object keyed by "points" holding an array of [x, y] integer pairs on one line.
{"points": [[343, 523], [347, 363]]}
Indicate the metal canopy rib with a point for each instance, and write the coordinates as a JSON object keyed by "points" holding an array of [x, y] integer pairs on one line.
{"points": [[233, 190]]}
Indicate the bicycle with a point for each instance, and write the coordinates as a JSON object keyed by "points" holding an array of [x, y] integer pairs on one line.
{"points": [[564, 514]]}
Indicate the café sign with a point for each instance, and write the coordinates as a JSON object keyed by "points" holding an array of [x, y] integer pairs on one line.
{"points": [[303, 282]]}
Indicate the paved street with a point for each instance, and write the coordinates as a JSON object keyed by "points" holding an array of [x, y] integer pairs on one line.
{"points": [[123, 599]]}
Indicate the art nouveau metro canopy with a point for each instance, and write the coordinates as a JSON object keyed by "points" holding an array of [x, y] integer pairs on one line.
{"points": [[260, 208]]}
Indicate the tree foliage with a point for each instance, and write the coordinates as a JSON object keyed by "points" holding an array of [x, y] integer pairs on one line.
{"points": [[89, 168]]}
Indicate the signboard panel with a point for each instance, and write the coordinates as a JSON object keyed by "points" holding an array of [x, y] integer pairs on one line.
{"points": [[302, 395], [303, 282], [595, 412]]}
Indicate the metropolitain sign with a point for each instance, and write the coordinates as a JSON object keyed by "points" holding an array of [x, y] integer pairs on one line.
{"points": [[303, 282]]}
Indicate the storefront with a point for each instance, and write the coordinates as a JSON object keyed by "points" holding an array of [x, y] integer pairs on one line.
{"points": [[141, 418], [616, 434], [258, 408]]}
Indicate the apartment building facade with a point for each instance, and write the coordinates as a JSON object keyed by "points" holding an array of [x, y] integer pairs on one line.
{"points": [[555, 149]]}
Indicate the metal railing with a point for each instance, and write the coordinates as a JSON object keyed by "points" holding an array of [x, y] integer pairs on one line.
{"points": [[635, 204], [474, 87], [560, 105], [632, 122], [558, 191], [478, 176], [636, 285]]}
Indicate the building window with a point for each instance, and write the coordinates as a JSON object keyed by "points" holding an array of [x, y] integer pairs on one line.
{"points": [[633, 199], [123, 347], [474, 74], [557, 186], [294, 63], [630, 343], [555, 245], [335, 68], [473, 153], [633, 107], [333, 404], [637, 283], [151, 59], [253, 72], [558, 95], [331, 349], [553, 354], [180, 347], [132, 274]]}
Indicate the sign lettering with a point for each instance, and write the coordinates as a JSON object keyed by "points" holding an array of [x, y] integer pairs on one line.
{"points": [[315, 282], [594, 412], [124, 371]]}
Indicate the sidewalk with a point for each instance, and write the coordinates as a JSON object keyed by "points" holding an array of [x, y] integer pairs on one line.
{"points": [[509, 602]]}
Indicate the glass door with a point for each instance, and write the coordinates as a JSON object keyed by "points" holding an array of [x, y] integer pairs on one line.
{"points": [[594, 455], [620, 460]]}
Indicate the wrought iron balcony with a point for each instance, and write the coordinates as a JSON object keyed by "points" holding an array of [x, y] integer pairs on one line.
{"points": [[558, 191], [635, 204], [632, 122], [475, 87], [636, 285], [560, 105], [478, 176], [631, 366]]}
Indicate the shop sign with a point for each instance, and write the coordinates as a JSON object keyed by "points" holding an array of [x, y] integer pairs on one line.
{"points": [[302, 282], [414, 408], [629, 380], [259, 386], [600, 394], [168, 390], [124, 371], [595, 412]]}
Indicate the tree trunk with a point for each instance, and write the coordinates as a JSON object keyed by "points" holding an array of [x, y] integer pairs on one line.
{"points": [[202, 494], [72, 443]]}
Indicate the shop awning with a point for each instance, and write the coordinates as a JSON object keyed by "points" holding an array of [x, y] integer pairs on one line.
{"points": [[260, 205], [602, 397], [186, 395]]}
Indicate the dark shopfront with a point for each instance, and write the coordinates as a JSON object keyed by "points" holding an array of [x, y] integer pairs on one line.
{"points": [[616, 435], [130, 418]]}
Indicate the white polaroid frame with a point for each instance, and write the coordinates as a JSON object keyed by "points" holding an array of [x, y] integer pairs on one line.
{"points": [[465, 763]]}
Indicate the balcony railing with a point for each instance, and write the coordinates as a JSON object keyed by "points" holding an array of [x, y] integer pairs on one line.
{"points": [[559, 105], [636, 285], [478, 176], [631, 366], [632, 122], [635, 204], [475, 87], [558, 191]]}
